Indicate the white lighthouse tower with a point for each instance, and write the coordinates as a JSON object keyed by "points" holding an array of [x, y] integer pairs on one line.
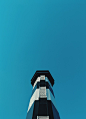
{"points": [[42, 103]]}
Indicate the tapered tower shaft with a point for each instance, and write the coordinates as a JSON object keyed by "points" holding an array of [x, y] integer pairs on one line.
{"points": [[42, 102]]}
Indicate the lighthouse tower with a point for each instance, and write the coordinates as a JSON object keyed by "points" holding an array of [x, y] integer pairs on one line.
{"points": [[42, 102]]}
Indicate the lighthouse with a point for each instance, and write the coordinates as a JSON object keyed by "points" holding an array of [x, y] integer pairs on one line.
{"points": [[42, 103]]}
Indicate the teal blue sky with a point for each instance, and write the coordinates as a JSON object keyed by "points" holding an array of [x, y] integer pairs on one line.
{"points": [[43, 35]]}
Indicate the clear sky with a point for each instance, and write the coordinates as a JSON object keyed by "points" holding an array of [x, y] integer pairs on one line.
{"points": [[43, 35]]}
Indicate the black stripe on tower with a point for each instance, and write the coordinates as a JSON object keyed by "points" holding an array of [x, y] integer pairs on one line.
{"points": [[42, 72], [43, 83], [43, 107]]}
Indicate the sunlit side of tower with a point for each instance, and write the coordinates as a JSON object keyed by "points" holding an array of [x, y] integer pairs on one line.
{"points": [[42, 102]]}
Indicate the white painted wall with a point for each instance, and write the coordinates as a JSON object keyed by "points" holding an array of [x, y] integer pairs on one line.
{"points": [[37, 80], [34, 97]]}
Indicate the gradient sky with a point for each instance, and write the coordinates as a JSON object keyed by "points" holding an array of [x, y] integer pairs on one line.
{"points": [[43, 35]]}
